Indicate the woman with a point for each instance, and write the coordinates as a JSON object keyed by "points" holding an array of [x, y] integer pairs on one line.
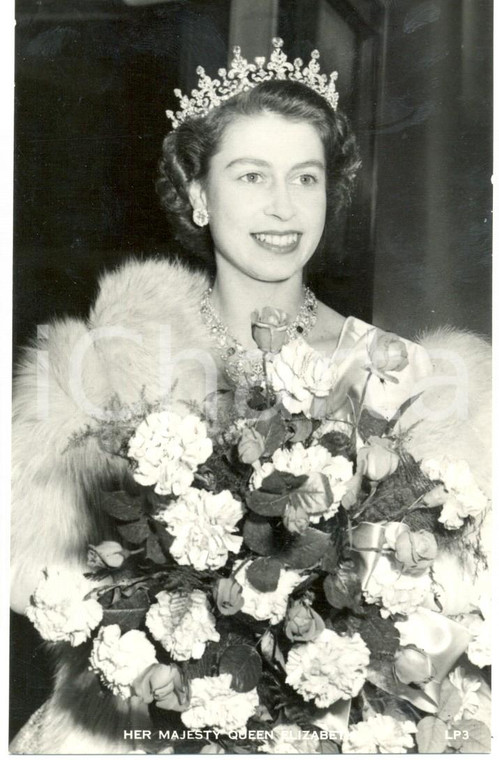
{"points": [[250, 179]]}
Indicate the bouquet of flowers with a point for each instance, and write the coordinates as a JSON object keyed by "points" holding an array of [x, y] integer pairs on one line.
{"points": [[271, 580]]}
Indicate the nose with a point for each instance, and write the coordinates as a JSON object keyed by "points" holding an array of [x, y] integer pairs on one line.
{"points": [[280, 203]]}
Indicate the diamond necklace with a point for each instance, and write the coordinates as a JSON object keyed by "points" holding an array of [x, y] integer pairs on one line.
{"points": [[244, 365]]}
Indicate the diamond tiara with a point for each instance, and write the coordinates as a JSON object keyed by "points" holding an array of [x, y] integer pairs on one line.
{"points": [[243, 76]]}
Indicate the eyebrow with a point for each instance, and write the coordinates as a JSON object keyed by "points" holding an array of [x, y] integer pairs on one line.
{"points": [[260, 162]]}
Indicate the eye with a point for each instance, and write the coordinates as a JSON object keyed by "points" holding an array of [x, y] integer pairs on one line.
{"points": [[252, 178], [306, 179]]}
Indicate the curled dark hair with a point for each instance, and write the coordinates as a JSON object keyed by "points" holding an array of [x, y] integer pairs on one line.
{"points": [[188, 149]]}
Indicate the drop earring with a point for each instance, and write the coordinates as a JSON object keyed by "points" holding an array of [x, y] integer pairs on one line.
{"points": [[200, 217]]}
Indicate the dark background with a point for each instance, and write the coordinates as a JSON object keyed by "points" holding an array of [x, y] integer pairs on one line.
{"points": [[93, 79]]}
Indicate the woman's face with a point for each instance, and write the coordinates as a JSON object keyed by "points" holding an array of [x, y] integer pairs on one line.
{"points": [[266, 195]]}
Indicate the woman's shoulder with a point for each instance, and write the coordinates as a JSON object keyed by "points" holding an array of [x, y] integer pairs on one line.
{"points": [[145, 314], [139, 291]]}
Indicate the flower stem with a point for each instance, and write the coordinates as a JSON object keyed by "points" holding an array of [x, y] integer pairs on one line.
{"points": [[266, 378], [366, 502], [363, 397]]}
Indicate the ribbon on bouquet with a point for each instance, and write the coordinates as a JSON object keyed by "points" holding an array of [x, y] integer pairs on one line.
{"points": [[441, 639], [334, 719]]}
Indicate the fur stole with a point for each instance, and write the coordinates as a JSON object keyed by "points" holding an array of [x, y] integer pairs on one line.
{"points": [[144, 334]]}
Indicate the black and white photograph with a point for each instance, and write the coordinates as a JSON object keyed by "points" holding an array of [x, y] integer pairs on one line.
{"points": [[251, 357]]}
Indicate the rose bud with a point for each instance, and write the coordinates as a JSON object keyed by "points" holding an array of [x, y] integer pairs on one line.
{"points": [[251, 446], [412, 665], [107, 554], [378, 458], [302, 622], [295, 518], [387, 352], [416, 551], [228, 595], [268, 328], [163, 684]]}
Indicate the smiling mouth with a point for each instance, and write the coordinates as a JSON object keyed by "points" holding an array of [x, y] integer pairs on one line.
{"points": [[283, 242]]}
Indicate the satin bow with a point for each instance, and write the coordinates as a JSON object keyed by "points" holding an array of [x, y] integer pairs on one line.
{"points": [[443, 640]]}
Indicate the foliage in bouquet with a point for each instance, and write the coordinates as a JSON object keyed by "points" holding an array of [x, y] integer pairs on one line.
{"points": [[269, 577]]}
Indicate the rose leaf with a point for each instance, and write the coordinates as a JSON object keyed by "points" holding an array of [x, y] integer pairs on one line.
{"points": [[315, 495], [122, 505], [264, 573], [128, 611], [371, 423], [300, 429], [470, 736], [135, 532], [380, 635], [244, 665], [274, 432], [282, 482], [305, 550], [431, 735], [154, 551], [450, 702], [258, 535]]}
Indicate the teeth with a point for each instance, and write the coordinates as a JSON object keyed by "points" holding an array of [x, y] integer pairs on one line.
{"points": [[280, 241]]}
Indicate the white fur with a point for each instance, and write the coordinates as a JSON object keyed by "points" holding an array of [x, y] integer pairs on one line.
{"points": [[463, 368], [55, 510]]}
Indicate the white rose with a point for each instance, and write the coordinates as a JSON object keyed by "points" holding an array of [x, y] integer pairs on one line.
{"points": [[397, 592], [182, 623], [168, 448], [174, 477], [299, 375], [330, 668], [197, 447], [265, 605], [203, 525], [465, 499], [120, 659], [215, 705], [380, 733], [480, 647], [289, 739], [58, 609], [299, 460]]}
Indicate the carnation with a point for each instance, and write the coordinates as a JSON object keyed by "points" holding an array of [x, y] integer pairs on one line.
{"points": [[480, 647], [465, 499], [299, 374], [330, 668], [203, 524], [289, 739], [380, 734], [396, 592], [168, 448], [58, 608], [299, 460], [214, 704], [182, 623], [265, 605], [120, 659]]}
